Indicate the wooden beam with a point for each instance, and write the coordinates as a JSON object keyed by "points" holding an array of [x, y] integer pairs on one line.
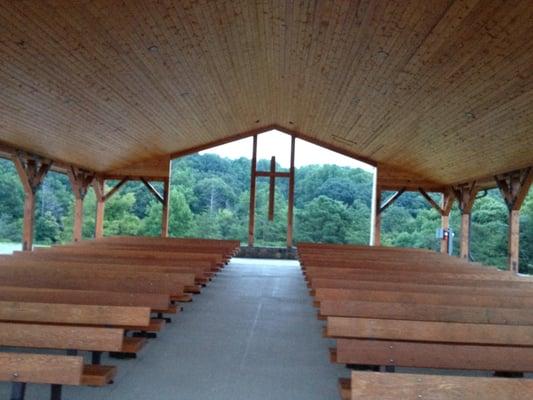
{"points": [[251, 215], [153, 190], [514, 188], [80, 181], [390, 201], [290, 211], [272, 189], [166, 208], [99, 191], [466, 196], [267, 128], [116, 188], [432, 202], [269, 174], [31, 171]]}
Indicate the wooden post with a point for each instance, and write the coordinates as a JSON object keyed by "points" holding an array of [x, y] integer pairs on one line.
{"points": [[31, 171], [251, 216], [272, 189], [166, 207], [80, 181], [290, 211], [447, 204], [514, 188], [98, 186], [466, 196], [375, 217]]}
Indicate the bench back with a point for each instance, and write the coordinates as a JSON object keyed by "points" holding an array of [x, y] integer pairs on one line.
{"points": [[383, 386], [41, 368], [60, 337], [51, 313], [88, 297]]}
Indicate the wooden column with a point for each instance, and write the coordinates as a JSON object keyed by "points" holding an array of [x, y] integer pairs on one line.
{"points": [[101, 198], [290, 211], [444, 211], [375, 218], [251, 216], [272, 189], [80, 181], [166, 207], [514, 188], [98, 186], [31, 171], [447, 204], [466, 196]]}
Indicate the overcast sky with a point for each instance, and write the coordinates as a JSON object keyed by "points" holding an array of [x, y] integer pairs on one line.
{"points": [[275, 143]]}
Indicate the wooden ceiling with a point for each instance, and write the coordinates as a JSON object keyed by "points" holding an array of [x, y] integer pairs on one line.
{"points": [[440, 88]]}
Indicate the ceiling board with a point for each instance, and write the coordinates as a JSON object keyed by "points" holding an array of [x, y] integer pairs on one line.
{"points": [[440, 88]]}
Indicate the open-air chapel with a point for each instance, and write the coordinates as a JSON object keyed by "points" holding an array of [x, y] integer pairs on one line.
{"points": [[434, 96]]}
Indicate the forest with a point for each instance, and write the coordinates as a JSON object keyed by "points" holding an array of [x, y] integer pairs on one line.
{"points": [[210, 199]]}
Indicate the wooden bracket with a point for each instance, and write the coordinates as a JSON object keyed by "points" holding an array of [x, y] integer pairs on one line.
{"points": [[447, 202], [466, 196], [514, 187], [80, 181], [391, 200], [116, 188], [31, 170], [153, 190]]}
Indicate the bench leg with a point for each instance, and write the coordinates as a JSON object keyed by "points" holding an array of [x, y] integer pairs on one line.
{"points": [[96, 357], [55, 393], [122, 356], [148, 335], [167, 320], [363, 367], [505, 374], [18, 391]]}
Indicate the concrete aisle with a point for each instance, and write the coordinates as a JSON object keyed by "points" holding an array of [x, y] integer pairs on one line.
{"points": [[251, 335]]}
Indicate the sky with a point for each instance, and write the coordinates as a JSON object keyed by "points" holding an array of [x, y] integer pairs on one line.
{"points": [[278, 144]]}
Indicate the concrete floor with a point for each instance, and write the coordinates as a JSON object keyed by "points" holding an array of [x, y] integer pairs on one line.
{"points": [[251, 334]]}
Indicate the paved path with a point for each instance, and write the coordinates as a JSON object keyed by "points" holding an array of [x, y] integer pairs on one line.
{"points": [[251, 335]]}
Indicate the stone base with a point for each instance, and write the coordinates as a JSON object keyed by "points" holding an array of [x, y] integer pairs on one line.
{"points": [[279, 253]]}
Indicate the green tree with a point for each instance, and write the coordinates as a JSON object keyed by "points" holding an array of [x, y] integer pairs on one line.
{"points": [[323, 220]]}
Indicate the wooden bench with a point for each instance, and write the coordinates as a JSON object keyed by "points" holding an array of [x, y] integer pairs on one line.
{"points": [[56, 370], [413, 309], [70, 338], [156, 302], [383, 386]]}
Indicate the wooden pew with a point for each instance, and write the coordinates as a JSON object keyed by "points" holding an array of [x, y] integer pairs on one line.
{"points": [[156, 302], [201, 276], [424, 344], [421, 298], [383, 386], [73, 314], [178, 282], [205, 265], [56, 370], [72, 338], [133, 254], [131, 282], [427, 312], [450, 290]]}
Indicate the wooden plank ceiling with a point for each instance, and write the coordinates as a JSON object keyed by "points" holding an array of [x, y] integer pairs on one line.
{"points": [[442, 88]]}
